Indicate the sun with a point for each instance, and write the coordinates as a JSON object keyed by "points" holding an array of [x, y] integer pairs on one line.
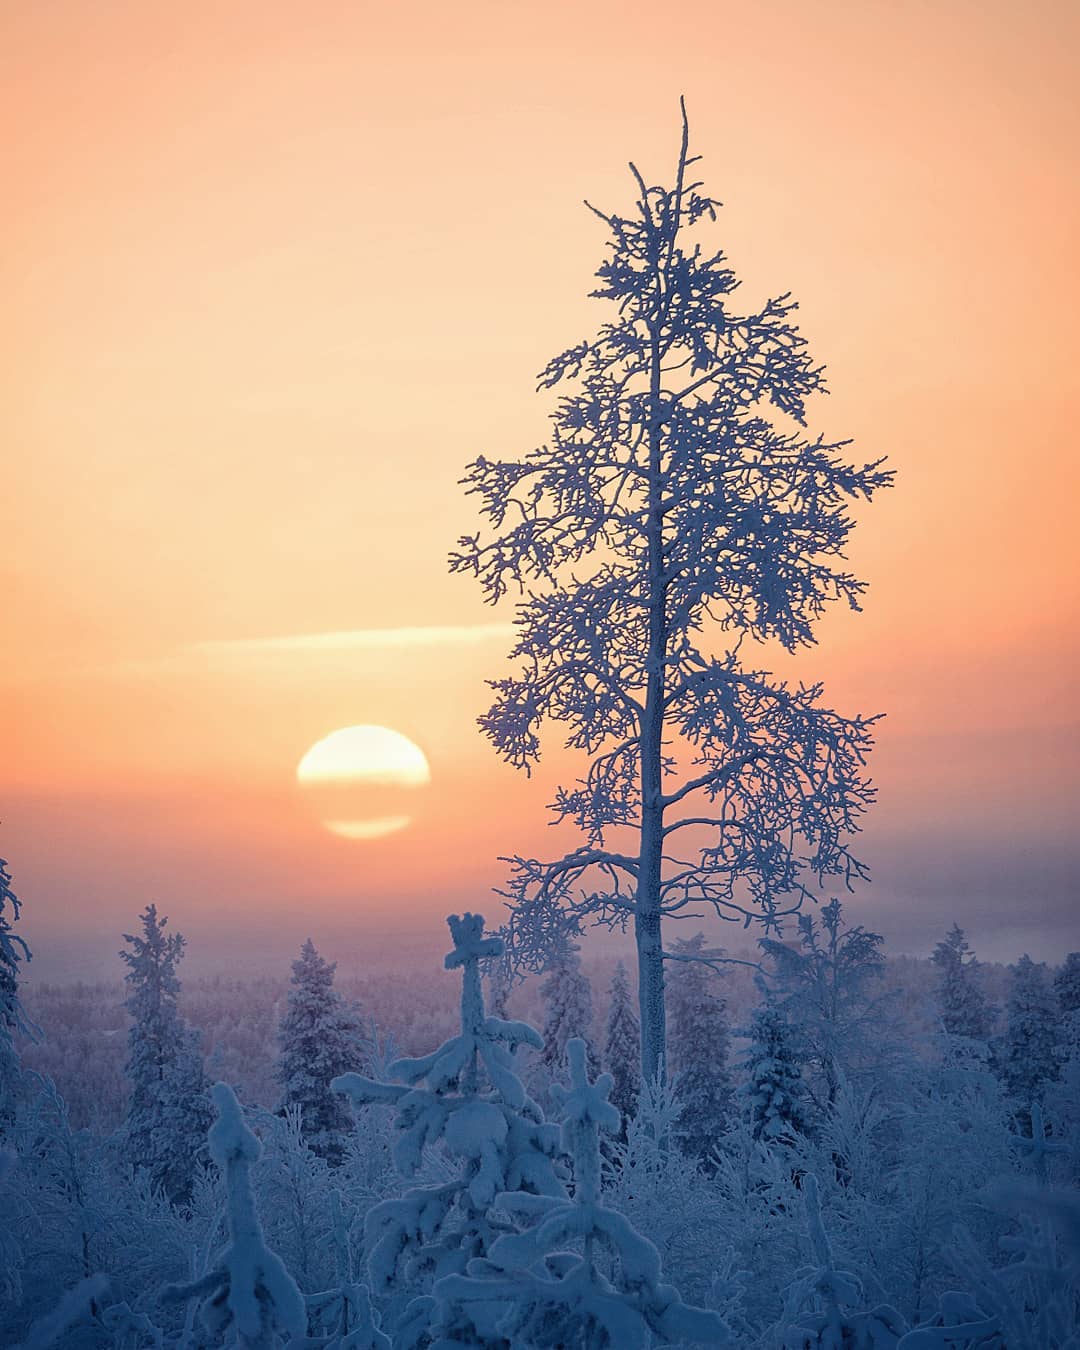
{"points": [[362, 781]]}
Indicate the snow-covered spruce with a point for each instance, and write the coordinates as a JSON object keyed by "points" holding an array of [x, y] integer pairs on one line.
{"points": [[964, 1009], [698, 1046], [468, 1095], [773, 1088], [320, 1038], [169, 1108], [676, 493], [545, 1287], [568, 1011], [819, 1299], [249, 1299], [829, 988], [622, 1045], [1028, 1050]]}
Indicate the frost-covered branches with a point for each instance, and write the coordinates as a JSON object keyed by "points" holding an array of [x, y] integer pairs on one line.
{"points": [[249, 1293], [467, 1096], [547, 1282], [964, 1010], [320, 1038], [678, 488], [169, 1111], [13, 951]]}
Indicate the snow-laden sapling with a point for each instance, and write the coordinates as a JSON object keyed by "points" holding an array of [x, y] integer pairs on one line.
{"points": [[249, 1296], [549, 1281], [344, 1313], [468, 1096], [821, 1295]]}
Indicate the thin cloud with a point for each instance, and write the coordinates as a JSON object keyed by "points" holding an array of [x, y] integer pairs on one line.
{"points": [[358, 639], [199, 657]]}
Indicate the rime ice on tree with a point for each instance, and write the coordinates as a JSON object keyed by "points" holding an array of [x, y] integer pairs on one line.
{"points": [[622, 1045], [698, 1046], [773, 1089], [1028, 1050], [567, 997], [169, 1111], [468, 1095], [678, 468], [13, 950], [249, 1293], [964, 1011], [547, 1281], [320, 1037]]}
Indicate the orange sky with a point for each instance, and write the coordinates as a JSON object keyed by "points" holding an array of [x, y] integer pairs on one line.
{"points": [[275, 273]]}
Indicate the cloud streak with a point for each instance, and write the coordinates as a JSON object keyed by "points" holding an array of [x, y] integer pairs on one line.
{"points": [[229, 654], [357, 639]]}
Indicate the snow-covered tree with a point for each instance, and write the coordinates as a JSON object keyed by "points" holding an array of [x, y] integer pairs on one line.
{"points": [[622, 1045], [580, 1275], [13, 951], [249, 1299], [169, 1109], [1027, 1053], [320, 1037], [1067, 989], [964, 1010], [568, 1010], [821, 1296], [467, 1096], [1067, 983], [678, 467], [773, 1090], [829, 989], [698, 1045]]}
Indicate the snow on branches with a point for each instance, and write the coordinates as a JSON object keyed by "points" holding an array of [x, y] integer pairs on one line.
{"points": [[249, 1290], [548, 1283], [678, 488], [467, 1095]]}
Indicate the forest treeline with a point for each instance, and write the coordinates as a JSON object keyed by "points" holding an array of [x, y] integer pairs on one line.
{"points": [[847, 1149]]}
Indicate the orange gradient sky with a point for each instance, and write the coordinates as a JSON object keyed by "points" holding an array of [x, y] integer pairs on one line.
{"points": [[274, 273]]}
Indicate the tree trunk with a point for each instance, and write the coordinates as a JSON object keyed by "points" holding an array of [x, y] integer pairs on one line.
{"points": [[647, 909]]}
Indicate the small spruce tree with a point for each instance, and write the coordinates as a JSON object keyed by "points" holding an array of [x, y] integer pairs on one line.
{"points": [[580, 1275], [698, 1044], [964, 1010], [249, 1297], [320, 1038], [169, 1110], [1067, 984], [467, 1096], [773, 1089], [1027, 1054], [622, 1045], [568, 1010]]}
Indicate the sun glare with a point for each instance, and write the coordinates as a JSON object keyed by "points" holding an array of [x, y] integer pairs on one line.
{"points": [[361, 780]]}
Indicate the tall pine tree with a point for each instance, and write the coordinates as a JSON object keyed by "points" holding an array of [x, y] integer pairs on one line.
{"points": [[677, 490], [698, 1044], [169, 1109], [622, 1046], [320, 1038], [964, 1010]]}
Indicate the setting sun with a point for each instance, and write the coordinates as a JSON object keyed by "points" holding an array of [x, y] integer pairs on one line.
{"points": [[357, 779]]}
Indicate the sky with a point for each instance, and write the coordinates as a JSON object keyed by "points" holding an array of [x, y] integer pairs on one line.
{"points": [[274, 274]]}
